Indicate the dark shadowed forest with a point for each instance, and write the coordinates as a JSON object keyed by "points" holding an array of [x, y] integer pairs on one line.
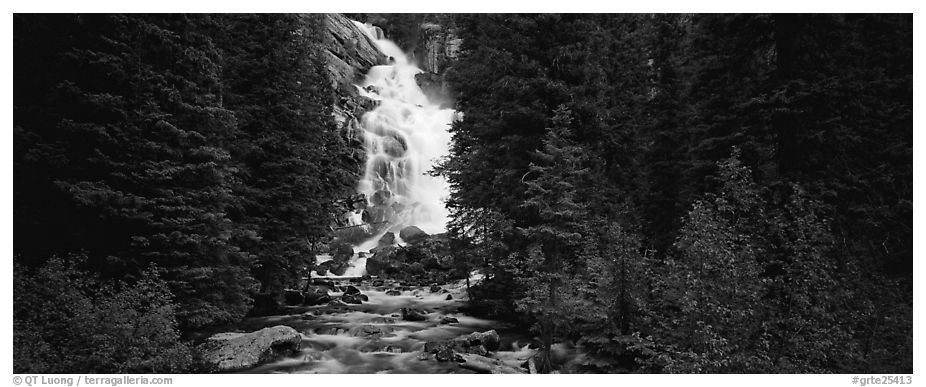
{"points": [[669, 193]]}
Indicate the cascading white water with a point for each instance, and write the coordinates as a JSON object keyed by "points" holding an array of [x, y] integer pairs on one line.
{"points": [[404, 136]]}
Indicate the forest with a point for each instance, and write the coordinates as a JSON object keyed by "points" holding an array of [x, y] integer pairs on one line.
{"points": [[673, 193]]}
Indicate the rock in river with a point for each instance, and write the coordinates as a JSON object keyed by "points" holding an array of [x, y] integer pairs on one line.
{"points": [[412, 315], [412, 234], [234, 351], [316, 295]]}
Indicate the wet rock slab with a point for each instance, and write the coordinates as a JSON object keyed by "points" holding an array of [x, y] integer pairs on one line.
{"points": [[234, 351]]}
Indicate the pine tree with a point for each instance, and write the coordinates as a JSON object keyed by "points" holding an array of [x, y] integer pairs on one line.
{"points": [[546, 270], [289, 153]]}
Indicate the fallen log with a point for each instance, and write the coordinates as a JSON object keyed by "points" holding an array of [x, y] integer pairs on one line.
{"points": [[487, 365]]}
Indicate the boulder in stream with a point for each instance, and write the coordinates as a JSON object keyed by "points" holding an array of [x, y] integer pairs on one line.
{"points": [[341, 251], [351, 289], [412, 315], [235, 351], [388, 239], [338, 267], [449, 320], [412, 234], [354, 298], [488, 339], [316, 295], [322, 268], [442, 350]]}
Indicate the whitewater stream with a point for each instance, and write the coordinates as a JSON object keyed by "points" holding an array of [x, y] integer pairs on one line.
{"points": [[373, 337]]}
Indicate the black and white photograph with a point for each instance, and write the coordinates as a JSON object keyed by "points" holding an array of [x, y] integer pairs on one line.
{"points": [[461, 193]]}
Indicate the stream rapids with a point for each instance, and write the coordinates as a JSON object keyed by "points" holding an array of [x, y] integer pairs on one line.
{"points": [[373, 337]]}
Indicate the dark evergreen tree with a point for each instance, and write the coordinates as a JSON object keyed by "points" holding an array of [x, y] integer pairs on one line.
{"points": [[122, 136], [546, 272], [292, 161]]}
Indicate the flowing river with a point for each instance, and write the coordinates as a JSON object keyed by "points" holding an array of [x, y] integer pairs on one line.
{"points": [[373, 337]]}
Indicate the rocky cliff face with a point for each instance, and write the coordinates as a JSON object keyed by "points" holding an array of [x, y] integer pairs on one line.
{"points": [[349, 54], [437, 48]]}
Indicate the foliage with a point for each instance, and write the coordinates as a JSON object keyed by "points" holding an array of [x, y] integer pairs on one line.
{"points": [[120, 151], [685, 260], [712, 288], [290, 157], [67, 320]]}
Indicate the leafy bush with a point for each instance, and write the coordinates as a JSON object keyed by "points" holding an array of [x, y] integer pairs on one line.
{"points": [[66, 321]]}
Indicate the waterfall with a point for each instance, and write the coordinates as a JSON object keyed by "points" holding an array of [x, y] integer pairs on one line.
{"points": [[404, 136]]}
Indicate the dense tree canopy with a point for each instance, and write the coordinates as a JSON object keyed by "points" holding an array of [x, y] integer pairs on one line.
{"points": [[744, 173]]}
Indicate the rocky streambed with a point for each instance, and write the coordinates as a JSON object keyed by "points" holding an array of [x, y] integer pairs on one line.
{"points": [[372, 326]]}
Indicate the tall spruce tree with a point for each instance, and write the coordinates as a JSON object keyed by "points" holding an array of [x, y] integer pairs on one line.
{"points": [[291, 159], [546, 271]]}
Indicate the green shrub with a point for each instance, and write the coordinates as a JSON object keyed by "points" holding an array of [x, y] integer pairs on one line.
{"points": [[68, 321]]}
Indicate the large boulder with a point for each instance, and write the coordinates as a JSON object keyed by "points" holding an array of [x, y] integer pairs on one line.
{"points": [[322, 268], [236, 351], [355, 298], [341, 251], [388, 239], [316, 295], [383, 260], [351, 289], [487, 339], [385, 253], [352, 235], [338, 267], [412, 234], [413, 315]]}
